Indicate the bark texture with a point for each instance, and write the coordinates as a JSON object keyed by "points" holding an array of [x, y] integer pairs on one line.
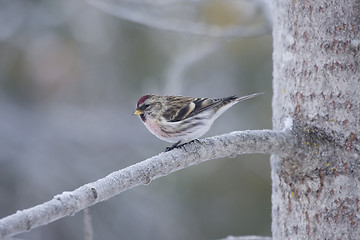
{"points": [[316, 188]]}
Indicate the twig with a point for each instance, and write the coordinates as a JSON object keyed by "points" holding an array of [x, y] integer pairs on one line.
{"points": [[88, 229], [69, 203]]}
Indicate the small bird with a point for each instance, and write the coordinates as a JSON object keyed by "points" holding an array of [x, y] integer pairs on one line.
{"points": [[179, 119]]}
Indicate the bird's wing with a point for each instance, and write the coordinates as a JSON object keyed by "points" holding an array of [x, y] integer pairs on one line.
{"points": [[182, 108], [187, 107]]}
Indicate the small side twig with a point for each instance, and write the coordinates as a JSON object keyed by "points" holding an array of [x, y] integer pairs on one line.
{"points": [[88, 228]]}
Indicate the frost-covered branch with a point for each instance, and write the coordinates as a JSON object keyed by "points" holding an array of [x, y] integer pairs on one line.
{"points": [[178, 25], [69, 203]]}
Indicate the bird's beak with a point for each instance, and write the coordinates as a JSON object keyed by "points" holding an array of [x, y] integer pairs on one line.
{"points": [[138, 112]]}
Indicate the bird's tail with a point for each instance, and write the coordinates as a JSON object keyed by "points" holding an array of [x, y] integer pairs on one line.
{"points": [[239, 99]]}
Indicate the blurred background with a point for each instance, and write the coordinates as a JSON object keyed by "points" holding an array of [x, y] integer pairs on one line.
{"points": [[71, 73]]}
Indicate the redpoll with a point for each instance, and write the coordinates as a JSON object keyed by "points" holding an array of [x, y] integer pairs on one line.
{"points": [[178, 119]]}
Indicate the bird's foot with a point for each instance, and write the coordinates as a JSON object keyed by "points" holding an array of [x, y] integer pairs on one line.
{"points": [[195, 140], [176, 145], [169, 148]]}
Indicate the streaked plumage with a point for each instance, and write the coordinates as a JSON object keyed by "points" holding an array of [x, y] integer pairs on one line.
{"points": [[178, 119]]}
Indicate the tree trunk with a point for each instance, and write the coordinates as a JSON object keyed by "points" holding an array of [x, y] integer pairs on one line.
{"points": [[316, 188]]}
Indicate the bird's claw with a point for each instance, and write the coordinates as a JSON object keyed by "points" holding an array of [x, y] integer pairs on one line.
{"points": [[176, 145], [169, 148]]}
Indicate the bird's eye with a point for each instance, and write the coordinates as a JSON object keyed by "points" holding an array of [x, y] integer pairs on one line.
{"points": [[146, 106]]}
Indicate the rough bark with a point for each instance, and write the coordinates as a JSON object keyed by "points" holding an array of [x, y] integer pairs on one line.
{"points": [[316, 82]]}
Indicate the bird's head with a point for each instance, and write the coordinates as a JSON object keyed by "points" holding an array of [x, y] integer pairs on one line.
{"points": [[147, 105]]}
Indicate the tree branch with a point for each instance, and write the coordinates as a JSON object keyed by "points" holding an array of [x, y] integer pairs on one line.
{"points": [[69, 203], [180, 26]]}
